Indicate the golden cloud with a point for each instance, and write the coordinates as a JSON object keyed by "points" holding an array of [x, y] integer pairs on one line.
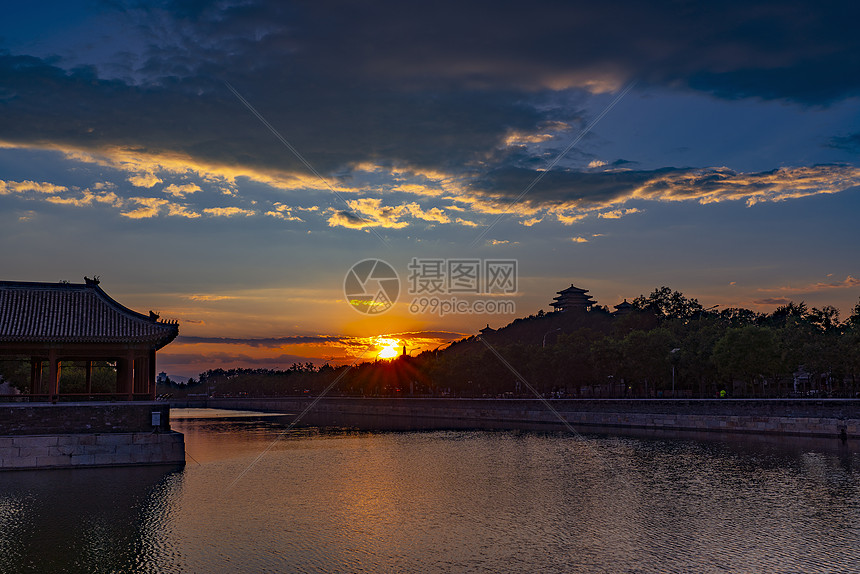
{"points": [[370, 212], [87, 198], [181, 190], [211, 297], [282, 211], [147, 179], [8, 187], [147, 207], [618, 213], [177, 209], [227, 211], [723, 184]]}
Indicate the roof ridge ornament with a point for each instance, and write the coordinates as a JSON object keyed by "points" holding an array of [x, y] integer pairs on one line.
{"points": [[92, 282]]}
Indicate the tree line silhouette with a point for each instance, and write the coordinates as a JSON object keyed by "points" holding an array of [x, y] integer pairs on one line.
{"points": [[666, 345]]}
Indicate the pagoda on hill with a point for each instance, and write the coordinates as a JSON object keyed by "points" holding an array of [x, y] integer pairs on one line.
{"points": [[573, 298], [624, 308], [487, 331]]}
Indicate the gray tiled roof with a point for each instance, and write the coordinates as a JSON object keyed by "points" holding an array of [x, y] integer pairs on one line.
{"points": [[74, 313]]}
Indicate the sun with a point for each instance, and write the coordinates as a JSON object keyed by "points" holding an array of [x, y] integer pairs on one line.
{"points": [[390, 348], [388, 353]]}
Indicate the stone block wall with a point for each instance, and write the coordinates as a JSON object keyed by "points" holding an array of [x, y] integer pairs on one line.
{"points": [[90, 417], [68, 435], [88, 450]]}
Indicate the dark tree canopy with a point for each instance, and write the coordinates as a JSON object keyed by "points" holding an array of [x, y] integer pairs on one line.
{"points": [[794, 351]]}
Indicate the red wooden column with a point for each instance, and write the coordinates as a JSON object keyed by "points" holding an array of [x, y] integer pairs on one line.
{"points": [[125, 376], [35, 375], [129, 381], [150, 376], [140, 368], [53, 375]]}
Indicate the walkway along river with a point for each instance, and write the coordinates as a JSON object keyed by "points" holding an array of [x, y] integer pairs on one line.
{"points": [[801, 417]]}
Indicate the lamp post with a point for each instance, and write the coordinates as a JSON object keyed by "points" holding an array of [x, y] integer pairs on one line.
{"points": [[672, 353], [547, 333]]}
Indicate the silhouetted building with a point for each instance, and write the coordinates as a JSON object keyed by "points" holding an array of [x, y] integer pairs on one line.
{"points": [[623, 308], [487, 330], [55, 322], [573, 298]]}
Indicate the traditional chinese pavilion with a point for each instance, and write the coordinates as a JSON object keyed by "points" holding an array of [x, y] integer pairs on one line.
{"points": [[48, 323], [487, 330], [573, 298], [623, 308]]}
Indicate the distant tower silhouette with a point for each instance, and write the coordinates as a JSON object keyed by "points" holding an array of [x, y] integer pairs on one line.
{"points": [[573, 298], [623, 308], [487, 330]]}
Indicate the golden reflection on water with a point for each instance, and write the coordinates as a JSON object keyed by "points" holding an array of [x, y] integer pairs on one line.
{"points": [[339, 500]]}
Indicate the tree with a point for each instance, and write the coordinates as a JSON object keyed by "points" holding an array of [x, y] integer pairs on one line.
{"points": [[854, 320], [668, 304], [646, 359], [747, 353], [695, 359], [739, 317], [796, 311]]}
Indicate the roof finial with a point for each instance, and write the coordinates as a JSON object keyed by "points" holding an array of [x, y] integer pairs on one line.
{"points": [[93, 282]]}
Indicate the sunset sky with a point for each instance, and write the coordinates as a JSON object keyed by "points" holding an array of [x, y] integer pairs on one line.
{"points": [[226, 163]]}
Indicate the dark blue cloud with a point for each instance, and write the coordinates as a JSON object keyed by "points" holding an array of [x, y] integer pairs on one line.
{"points": [[849, 143], [435, 85]]}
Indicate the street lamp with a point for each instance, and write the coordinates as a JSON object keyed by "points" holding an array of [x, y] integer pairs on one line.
{"points": [[672, 352], [547, 333]]}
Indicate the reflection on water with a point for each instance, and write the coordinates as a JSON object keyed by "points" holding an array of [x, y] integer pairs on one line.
{"points": [[86, 520], [323, 499]]}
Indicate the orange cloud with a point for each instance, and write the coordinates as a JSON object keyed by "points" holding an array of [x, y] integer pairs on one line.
{"points": [[147, 179], [618, 213], [147, 207], [227, 211], [181, 190], [370, 212], [8, 187], [847, 283]]}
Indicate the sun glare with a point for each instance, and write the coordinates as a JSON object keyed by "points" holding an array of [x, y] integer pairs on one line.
{"points": [[390, 348]]}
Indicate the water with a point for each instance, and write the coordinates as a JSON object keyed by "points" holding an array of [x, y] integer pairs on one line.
{"points": [[336, 500]]}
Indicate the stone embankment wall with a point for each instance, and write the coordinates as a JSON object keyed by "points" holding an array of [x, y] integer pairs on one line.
{"points": [[65, 435], [826, 417]]}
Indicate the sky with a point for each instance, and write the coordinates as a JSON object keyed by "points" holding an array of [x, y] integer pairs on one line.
{"points": [[234, 165]]}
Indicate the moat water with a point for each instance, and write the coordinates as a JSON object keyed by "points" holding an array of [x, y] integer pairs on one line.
{"points": [[256, 496]]}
